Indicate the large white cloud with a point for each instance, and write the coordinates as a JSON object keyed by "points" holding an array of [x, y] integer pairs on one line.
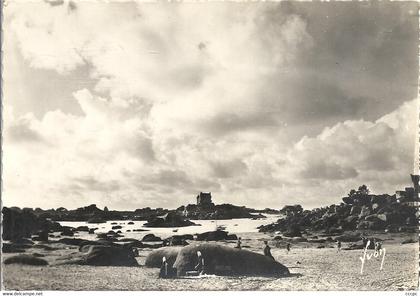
{"points": [[189, 99], [106, 158]]}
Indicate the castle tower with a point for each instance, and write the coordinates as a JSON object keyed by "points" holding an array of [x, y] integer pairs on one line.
{"points": [[204, 198]]}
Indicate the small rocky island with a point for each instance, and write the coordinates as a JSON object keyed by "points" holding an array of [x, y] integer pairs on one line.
{"points": [[204, 209]]}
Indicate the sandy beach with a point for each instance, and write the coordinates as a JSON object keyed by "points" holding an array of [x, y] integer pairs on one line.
{"points": [[311, 268]]}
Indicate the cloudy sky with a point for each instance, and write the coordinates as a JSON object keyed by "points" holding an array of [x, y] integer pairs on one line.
{"points": [[128, 105]]}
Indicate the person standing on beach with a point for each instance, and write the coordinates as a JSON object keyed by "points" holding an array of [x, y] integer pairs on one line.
{"points": [[238, 244], [288, 247], [163, 273], [267, 250], [338, 245], [200, 265], [378, 246], [365, 242]]}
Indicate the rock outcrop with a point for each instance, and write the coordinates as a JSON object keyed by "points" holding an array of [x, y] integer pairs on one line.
{"points": [[154, 258], [223, 260], [171, 219], [101, 255], [359, 211], [19, 224], [25, 260], [178, 240], [150, 237], [12, 248], [215, 236]]}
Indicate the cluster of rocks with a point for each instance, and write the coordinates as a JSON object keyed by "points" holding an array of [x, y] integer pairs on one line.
{"points": [[216, 236], [19, 224], [100, 253], [215, 212], [159, 217], [147, 213], [171, 219], [109, 250], [358, 211], [91, 214]]}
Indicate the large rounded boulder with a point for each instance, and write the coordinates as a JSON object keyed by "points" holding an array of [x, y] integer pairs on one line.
{"points": [[101, 255], [213, 236], [154, 259], [223, 260], [25, 260], [150, 237], [177, 240], [171, 219]]}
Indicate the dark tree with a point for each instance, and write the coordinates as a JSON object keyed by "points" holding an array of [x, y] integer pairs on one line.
{"points": [[352, 193], [363, 190]]}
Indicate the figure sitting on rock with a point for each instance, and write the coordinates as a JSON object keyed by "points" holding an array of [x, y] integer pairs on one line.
{"points": [[199, 268], [200, 265], [267, 250]]}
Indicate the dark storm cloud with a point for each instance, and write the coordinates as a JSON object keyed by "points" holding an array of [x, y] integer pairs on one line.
{"points": [[171, 178], [369, 50], [143, 147], [93, 184], [229, 169], [328, 171], [361, 63], [308, 97]]}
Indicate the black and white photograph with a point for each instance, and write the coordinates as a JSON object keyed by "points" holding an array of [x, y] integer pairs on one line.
{"points": [[209, 145]]}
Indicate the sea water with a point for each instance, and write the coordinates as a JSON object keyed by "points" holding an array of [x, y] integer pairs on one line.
{"points": [[236, 226]]}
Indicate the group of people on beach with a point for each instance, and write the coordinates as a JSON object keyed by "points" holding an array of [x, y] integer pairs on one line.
{"points": [[266, 250], [375, 243], [367, 243]]}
